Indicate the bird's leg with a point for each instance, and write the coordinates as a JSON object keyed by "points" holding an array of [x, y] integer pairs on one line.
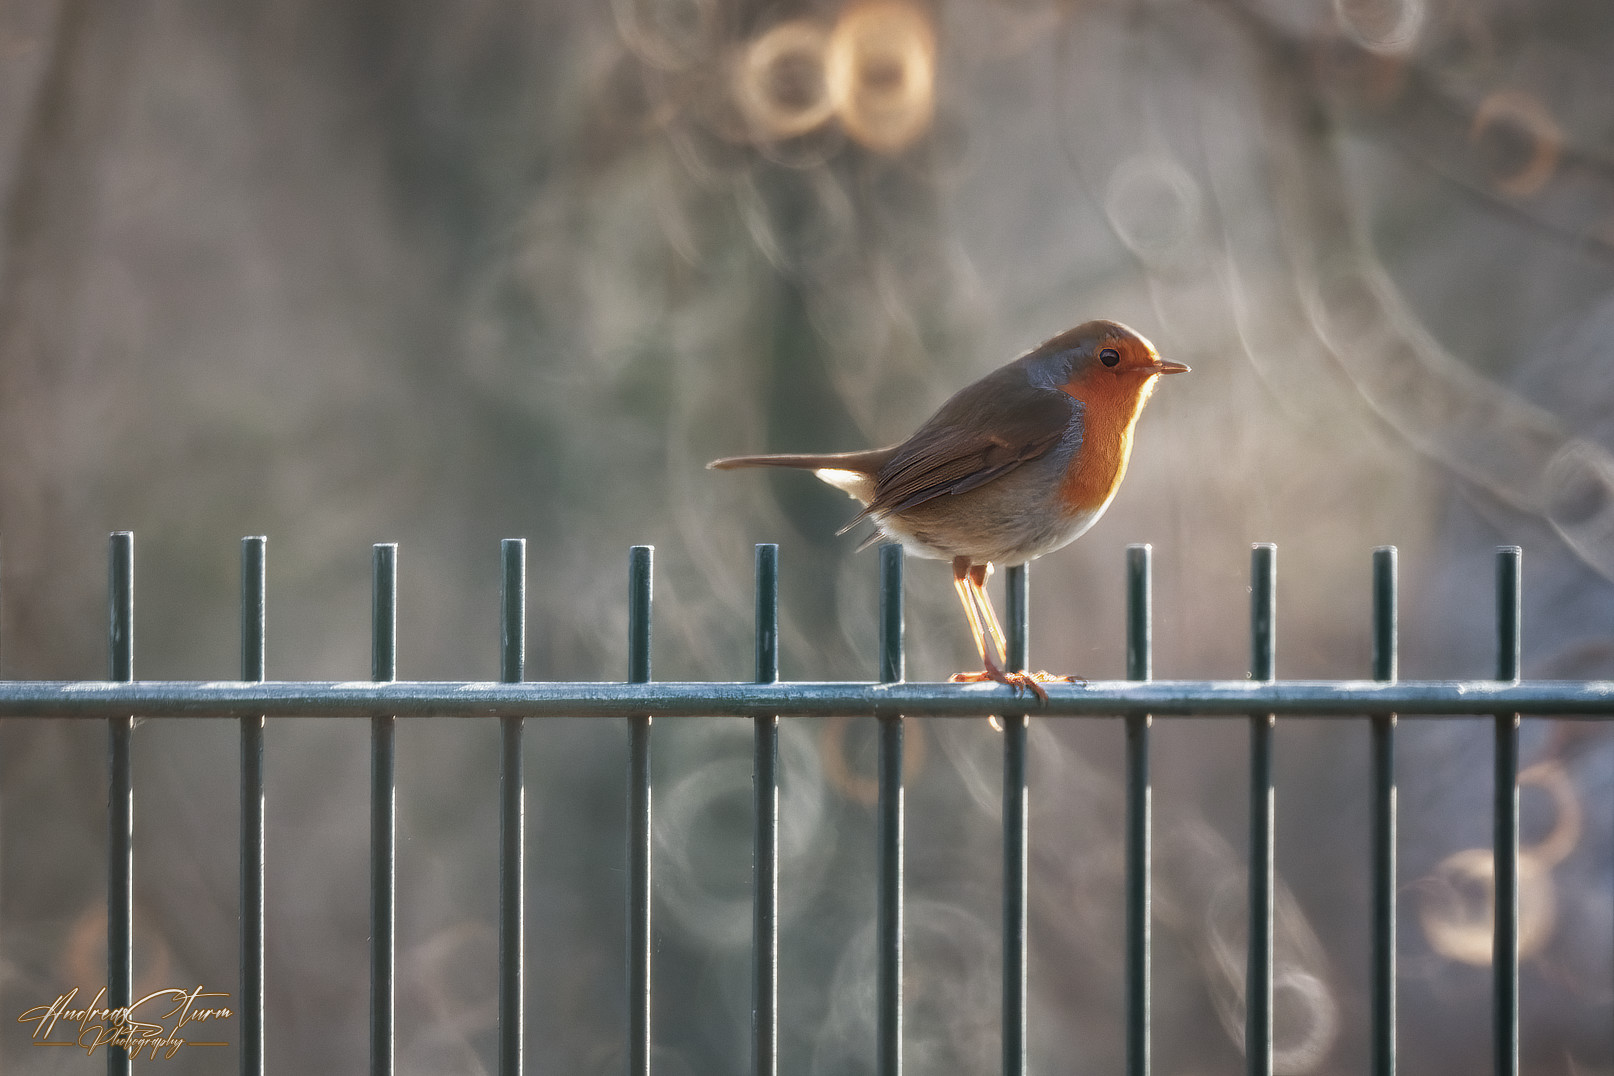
{"points": [[978, 577], [961, 567], [983, 613], [967, 581]]}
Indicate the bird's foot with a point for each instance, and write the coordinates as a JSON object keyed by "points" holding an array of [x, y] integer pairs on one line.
{"points": [[1020, 681]]}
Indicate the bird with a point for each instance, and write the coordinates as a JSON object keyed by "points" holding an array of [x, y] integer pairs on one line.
{"points": [[1015, 465]]}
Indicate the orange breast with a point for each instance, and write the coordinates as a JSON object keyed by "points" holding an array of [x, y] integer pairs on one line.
{"points": [[1112, 409]]}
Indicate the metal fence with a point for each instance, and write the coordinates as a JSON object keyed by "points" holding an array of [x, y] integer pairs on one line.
{"points": [[889, 700]]}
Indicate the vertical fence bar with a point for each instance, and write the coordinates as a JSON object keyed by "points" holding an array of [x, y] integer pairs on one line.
{"points": [[120, 793], [1383, 986], [1505, 943], [640, 591], [1258, 978], [765, 855], [888, 827], [512, 810], [1016, 809], [1139, 666], [252, 807], [383, 811]]}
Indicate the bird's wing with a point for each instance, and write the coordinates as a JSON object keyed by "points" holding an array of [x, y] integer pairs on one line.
{"points": [[981, 434]]}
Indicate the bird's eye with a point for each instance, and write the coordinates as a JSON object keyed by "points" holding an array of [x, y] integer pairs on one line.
{"points": [[1109, 356]]}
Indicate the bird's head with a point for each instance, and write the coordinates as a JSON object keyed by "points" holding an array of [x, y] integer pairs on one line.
{"points": [[1104, 356]]}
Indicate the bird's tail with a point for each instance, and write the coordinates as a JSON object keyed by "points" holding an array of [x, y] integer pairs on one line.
{"points": [[853, 473], [868, 463]]}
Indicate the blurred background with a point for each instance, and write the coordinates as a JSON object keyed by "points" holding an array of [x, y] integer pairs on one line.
{"points": [[441, 274]]}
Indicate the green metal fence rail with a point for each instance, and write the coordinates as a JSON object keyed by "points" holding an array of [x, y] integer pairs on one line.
{"points": [[1262, 698]]}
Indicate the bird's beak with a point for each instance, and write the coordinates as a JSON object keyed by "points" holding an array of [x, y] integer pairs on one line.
{"points": [[1161, 366]]}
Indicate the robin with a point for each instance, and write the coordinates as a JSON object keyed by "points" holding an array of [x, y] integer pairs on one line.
{"points": [[1016, 465]]}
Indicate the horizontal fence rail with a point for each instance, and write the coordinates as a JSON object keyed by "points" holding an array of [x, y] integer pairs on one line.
{"points": [[1259, 700], [1588, 699]]}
